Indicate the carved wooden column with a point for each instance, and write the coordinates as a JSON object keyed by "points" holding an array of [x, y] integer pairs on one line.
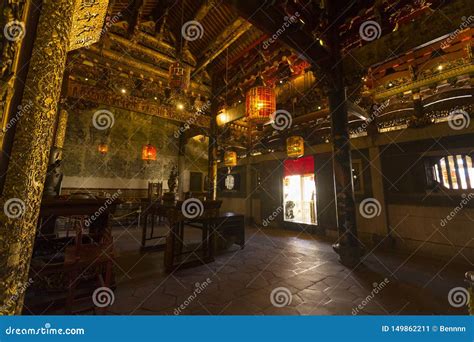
{"points": [[21, 198]]}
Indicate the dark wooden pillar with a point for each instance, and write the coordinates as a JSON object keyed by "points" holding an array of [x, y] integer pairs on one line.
{"points": [[419, 118], [212, 153], [181, 164], [348, 246]]}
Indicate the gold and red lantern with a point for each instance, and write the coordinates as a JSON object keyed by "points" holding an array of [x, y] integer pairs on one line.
{"points": [[260, 103], [295, 147], [148, 152], [178, 76], [230, 158], [103, 148]]}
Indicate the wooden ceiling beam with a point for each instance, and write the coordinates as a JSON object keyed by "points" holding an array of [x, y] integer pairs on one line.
{"points": [[271, 20], [222, 42]]}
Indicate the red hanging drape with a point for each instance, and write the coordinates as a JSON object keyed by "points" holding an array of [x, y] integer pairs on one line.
{"points": [[299, 166]]}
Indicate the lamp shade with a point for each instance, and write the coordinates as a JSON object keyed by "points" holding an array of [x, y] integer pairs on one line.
{"points": [[230, 158], [295, 147], [260, 104], [148, 152]]}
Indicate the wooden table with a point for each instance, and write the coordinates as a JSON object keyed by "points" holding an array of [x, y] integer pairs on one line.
{"points": [[212, 226]]}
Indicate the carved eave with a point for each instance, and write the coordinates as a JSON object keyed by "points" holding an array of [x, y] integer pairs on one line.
{"points": [[138, 67]]}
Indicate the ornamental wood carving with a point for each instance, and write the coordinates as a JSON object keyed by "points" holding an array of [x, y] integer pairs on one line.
{"points": [[81, 91], [88, 20]]}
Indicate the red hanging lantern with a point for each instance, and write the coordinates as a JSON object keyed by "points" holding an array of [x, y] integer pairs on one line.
{"points": [[148, 152], [178, 76], [103, 148], [260, 103]]}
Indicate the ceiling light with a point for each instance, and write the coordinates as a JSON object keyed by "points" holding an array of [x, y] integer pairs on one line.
{"points": [[124, 91], [180, 106]]}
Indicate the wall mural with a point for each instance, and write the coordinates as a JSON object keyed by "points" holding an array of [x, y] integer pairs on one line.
{"points": [[125, 134]]}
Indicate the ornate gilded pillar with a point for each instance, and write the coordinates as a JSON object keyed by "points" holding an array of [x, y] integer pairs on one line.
{"points": [[60, 133], [21, 198]]}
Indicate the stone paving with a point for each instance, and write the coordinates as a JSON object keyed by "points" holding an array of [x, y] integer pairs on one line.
{"points": [[283, 273]]}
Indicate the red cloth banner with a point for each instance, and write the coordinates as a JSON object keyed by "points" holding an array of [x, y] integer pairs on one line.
{"points": [[301, 166]]}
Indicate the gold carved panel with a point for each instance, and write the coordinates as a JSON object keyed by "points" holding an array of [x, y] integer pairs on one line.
{"points": [[88, 21]]}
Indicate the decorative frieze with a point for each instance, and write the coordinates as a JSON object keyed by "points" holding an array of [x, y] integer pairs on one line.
{"points": [[84, 92]]}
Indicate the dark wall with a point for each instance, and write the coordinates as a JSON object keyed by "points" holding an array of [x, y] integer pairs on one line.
{"points": [[403, 168], [405, 174]]}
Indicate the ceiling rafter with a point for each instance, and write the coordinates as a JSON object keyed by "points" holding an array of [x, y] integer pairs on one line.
{"points": [[269, 19], [200, 15], [222, 42]]}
